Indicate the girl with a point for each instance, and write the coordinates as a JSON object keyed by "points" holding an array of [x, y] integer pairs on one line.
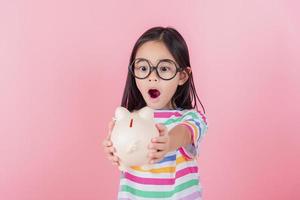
{"points": [[160, 76]]}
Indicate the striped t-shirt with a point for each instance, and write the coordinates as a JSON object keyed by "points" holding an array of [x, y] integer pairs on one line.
{"points": [[176, 176]]}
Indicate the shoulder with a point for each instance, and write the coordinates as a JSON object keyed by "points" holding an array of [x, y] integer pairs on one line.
{"points": [[194, 114], [179, 115]]}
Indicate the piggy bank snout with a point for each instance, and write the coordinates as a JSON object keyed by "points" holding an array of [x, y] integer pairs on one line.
{"points": [[133, 147], [132, 144]]}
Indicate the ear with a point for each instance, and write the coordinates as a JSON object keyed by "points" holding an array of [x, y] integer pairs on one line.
{"points": [[184, 75], [121, 113], [146, 112]]}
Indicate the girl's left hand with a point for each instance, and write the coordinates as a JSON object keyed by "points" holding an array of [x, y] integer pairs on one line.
{"points": [[160, 145]]}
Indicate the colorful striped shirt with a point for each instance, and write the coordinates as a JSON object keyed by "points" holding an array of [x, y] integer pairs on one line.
{"points": [[176, 176]]}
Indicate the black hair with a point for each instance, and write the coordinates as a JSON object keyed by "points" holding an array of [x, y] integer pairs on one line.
{"points": [[185, 94]]}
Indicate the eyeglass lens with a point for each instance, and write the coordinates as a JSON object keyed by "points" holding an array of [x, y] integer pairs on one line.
{"points": [[165, 69]]}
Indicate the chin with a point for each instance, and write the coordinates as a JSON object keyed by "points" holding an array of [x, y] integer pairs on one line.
{"points": [[153, 105], [157, 106]]}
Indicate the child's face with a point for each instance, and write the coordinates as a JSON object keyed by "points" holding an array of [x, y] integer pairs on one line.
{"points": [[157, 92]]}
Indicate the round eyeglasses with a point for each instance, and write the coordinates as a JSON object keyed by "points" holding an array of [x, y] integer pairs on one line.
{"points": [[166, 69]]}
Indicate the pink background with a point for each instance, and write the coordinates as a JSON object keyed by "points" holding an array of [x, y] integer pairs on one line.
{"points": [[62, 72]]}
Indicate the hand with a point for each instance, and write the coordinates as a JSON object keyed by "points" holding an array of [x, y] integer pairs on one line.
{"points": [[109, 148], [160, 145]]}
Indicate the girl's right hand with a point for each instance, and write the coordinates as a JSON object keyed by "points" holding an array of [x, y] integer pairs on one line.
{"points": [[109, 148]]}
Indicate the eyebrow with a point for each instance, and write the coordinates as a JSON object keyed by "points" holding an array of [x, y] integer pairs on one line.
{"points": [[164, 59]]}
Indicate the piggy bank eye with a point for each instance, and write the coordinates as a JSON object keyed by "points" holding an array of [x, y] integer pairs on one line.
{"points": [[131, 121]]}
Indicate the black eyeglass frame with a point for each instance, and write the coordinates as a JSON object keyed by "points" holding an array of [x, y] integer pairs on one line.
{"points": [[152, 68]]}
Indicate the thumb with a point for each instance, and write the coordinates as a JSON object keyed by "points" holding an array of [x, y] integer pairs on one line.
{"points": [[161, 129], [110, 127]]}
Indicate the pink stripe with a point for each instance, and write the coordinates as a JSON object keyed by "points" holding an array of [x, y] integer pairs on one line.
{"points": [[185, 171], [149, 181], [182, 151], [160, 181], [203, 117], [166, 114]]}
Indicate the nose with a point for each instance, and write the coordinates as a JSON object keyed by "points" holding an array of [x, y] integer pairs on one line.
{"points": [[153, 76]]}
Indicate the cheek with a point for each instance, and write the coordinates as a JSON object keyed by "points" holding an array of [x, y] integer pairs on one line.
{"points": [[170, 89], [139, 85]]}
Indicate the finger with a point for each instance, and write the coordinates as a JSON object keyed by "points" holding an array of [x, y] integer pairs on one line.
{"points": [[110, 150], [116, 163], [152, 150], [113, 158], [162, 129], [107, 143], [156, 155], [160, 139], [110, 127], [111, 124], [157, 146]]}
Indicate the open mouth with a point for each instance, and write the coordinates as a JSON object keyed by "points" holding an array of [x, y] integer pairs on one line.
{"points": [[154, 93]]}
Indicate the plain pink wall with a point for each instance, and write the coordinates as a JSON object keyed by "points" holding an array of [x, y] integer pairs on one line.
{"points": [[62, 72]]}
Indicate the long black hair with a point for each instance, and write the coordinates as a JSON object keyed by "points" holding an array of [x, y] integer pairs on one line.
{"points": [[185, 94]]}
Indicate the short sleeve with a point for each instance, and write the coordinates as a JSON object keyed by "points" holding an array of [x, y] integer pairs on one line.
{"points": [[196, 122]]}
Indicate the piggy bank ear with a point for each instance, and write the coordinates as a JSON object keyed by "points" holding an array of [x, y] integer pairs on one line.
{"points": [[146, 113], [121, 113]]}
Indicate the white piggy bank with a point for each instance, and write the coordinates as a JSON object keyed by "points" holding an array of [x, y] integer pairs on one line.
{"points": [[131, 135]]}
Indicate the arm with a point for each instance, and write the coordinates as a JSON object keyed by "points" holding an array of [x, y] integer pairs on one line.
{"points": [[185, 137], [177, 137]]}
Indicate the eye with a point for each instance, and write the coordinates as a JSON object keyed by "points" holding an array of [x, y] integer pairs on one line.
{"points": [[143, 68], [164, 69]]}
